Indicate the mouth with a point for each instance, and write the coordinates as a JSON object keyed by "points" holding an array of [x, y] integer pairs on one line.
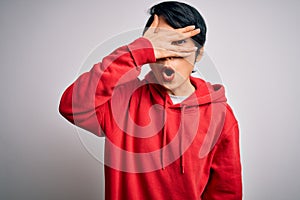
{"points": [[168, 73]]}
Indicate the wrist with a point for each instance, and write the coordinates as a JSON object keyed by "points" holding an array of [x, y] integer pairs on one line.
{"points": [[142, 51]]}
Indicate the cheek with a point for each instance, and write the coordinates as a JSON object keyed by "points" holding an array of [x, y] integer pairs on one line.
{"points": [[184, 67], [191, 59], [154, 68], [184, 73]]}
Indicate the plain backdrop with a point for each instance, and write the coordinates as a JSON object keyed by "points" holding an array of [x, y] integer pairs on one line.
{"points": [[253, 45]]}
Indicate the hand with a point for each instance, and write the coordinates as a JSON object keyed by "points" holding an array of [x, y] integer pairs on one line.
{"points": [[163, 40]]}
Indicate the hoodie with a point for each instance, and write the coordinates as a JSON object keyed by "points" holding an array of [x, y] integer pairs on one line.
{"points": [[155, 149]]}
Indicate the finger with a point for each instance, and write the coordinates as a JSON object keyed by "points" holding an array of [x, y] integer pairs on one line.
{"points": [[192, 33], [182, 49], [155, 22], [186, 29], [177, 54], [189, 34], [176, 35], [173, 52], [165, 53]]}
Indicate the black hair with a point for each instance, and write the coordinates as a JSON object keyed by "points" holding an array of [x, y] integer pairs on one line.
{"points": [[179, 15]]}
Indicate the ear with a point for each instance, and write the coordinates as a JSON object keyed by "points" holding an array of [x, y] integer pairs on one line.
{"points": [[200, 54]]}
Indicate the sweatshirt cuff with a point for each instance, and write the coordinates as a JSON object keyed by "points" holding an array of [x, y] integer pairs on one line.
{"points": [[142, 51]]}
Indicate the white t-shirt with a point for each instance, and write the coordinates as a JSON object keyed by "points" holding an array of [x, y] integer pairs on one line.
{"points": [[177, 99]]}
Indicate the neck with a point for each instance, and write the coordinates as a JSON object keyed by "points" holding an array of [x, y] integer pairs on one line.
{"points": [[186, 89]]}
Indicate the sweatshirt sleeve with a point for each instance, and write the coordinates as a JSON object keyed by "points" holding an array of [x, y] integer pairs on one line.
{"points": [[225, 180], [83, 102]]}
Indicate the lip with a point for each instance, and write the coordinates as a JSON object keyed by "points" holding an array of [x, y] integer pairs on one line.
{"points": [[168, 73]]}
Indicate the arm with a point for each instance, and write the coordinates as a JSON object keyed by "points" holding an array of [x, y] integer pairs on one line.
{"points": [[83, 102], [225, 180]]}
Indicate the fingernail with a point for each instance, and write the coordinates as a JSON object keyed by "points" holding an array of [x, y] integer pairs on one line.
{"points": [[192, 26]]}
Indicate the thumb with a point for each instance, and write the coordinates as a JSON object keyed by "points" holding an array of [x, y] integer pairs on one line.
{"points": [[155, 22]]}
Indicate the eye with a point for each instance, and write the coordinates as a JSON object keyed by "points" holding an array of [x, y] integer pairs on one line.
{"points": [[179, 42]]}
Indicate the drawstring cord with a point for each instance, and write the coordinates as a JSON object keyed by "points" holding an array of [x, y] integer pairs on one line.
{"points": [[181, 140], [164, 140]]}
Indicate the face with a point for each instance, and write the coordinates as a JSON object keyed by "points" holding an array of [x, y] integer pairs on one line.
{"points": [[173, 73]]}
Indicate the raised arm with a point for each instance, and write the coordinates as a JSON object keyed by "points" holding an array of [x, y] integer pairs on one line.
{"points": [[82, 102]]}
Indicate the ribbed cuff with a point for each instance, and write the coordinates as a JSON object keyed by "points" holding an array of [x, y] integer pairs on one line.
{"points": [[142, 51]]}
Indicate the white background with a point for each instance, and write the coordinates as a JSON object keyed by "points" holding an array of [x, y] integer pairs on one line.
{"points": [[253, 44]]}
